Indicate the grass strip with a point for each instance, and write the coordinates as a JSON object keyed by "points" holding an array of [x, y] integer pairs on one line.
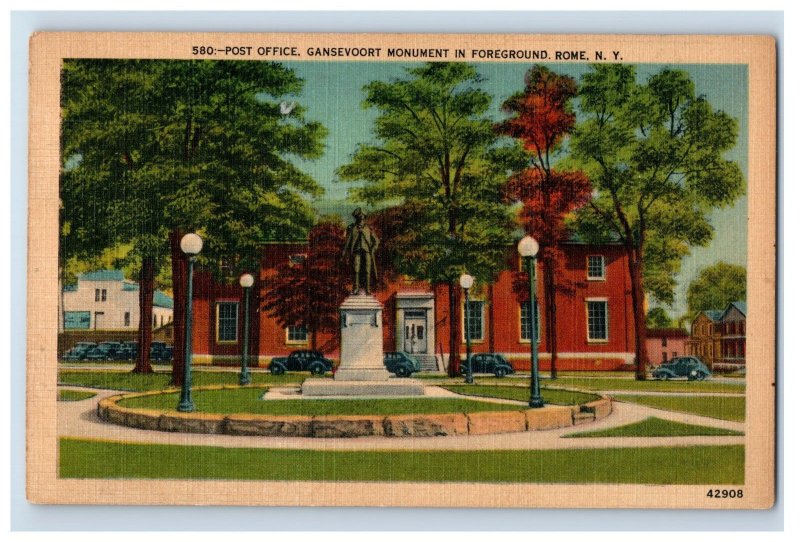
{"points": [[720, 407], [74, 395], [656, 427], [517, 393], [128, 381], [248, 400], [80, 458], [629, 384]]}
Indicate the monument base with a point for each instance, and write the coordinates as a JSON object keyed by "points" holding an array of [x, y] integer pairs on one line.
{"points": [[317, 387]]}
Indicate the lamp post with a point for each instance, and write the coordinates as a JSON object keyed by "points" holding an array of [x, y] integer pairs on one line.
{"points": [[466, 281], [528, 248], [191, 244], [246, 282]]}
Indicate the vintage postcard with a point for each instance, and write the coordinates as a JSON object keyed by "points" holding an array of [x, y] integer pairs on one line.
{"points": [[402, 270]]}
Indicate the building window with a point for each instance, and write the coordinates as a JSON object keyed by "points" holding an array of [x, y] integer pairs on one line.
{"points": [[97, 295], [227, 319], [664, 342], [663, 357], [103, 296], [296, 334], [597, 320], [595, 267], [127, 319], [525, 323], [474, 327], [297, 259]]}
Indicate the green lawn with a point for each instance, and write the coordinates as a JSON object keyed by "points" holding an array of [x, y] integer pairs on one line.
{"points": [[630, 384], [249, 400], [100, 459], [656, 427], [74, 395], [722, 407], [517, 393], [128, 381]]}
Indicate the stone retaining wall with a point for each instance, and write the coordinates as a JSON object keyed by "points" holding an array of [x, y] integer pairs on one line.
{"points": [[397, 425]]}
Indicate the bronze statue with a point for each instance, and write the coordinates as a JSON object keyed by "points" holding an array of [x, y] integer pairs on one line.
{"points": [[360, 246]]}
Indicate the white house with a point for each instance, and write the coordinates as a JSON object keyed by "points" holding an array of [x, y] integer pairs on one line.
{"points": [[105, 300]]}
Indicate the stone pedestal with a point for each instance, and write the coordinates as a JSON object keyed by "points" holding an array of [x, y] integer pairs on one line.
{"points": [[361, 328], [361, 371]]}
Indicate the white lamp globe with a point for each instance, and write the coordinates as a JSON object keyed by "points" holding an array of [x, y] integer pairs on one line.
{"points": [[466, 281], [191, 244], [528, 247], [246, 280]]}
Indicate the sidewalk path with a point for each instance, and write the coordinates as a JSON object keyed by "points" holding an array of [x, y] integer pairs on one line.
{"points": [[79, 419]]}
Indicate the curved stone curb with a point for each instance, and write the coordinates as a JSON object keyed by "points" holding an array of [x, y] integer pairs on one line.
{"points": [[396, 425]]}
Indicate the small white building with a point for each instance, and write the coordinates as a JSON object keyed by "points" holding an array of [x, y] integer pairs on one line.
{"points": [[105, 300]]}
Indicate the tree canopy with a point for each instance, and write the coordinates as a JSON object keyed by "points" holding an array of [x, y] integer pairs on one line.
{"points": [[716, 286], [153, 148], [437, 156], [656, 154]]}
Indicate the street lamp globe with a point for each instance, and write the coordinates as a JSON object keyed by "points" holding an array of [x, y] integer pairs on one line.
{"points": [[528, 247], [191, 244], [466, 281], [246, 280]]}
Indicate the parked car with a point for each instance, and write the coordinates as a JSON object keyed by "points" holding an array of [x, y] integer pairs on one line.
{"points": [[688, 366], [488, 363], [79, 351], [301, 360], [105, 351], [159, 351], [128, 351], [400, 363]]}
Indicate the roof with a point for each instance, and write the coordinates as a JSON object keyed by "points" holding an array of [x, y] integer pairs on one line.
{"points": [[160, 299], [741, 305], [71, 288], [713, 315], [114, 275]]}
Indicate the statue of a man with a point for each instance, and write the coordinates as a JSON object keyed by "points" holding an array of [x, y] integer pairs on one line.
{"points": [[360, 246]]}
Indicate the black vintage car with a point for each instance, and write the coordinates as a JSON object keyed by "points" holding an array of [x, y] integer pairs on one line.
{"points": [[688, 366], [301, 360], [400, 363], [105, 351], [160, 351], [489, 363], [79, 351]]}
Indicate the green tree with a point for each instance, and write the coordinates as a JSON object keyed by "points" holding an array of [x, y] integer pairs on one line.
{"points": [[154, 149], [656, 155], [716, 286], [437, 156], [657, 317]]}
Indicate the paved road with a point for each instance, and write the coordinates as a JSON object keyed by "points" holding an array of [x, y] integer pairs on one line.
{"points": [[79, 419]]}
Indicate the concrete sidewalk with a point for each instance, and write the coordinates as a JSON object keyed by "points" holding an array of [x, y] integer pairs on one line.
{"points": [[79, 419]]}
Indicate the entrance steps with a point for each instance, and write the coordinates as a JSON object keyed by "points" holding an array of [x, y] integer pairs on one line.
{"points": [[427, 363]]}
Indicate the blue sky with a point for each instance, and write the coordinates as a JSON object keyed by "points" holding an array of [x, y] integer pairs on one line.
{"points": [[333, 95]]}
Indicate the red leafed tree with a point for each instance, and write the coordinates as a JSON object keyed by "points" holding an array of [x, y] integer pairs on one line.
{"points": [[541, 117], [309, 292]]}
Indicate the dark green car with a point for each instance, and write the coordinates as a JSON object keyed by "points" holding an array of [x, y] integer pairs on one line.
{"points": [[489, 363], [688, 366], [400, 363]]}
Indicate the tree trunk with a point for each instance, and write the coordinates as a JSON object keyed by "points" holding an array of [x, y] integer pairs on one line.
{"points": [[453, 368], [639, 315], [146, 287], [491, 318], [179, 270], [550, 311]]}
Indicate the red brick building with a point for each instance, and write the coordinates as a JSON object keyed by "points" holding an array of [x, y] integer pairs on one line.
{"points": [[594, 316]]}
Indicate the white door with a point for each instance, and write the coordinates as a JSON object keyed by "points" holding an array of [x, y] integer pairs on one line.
{"points": [[99, 320], [416, 340]]}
